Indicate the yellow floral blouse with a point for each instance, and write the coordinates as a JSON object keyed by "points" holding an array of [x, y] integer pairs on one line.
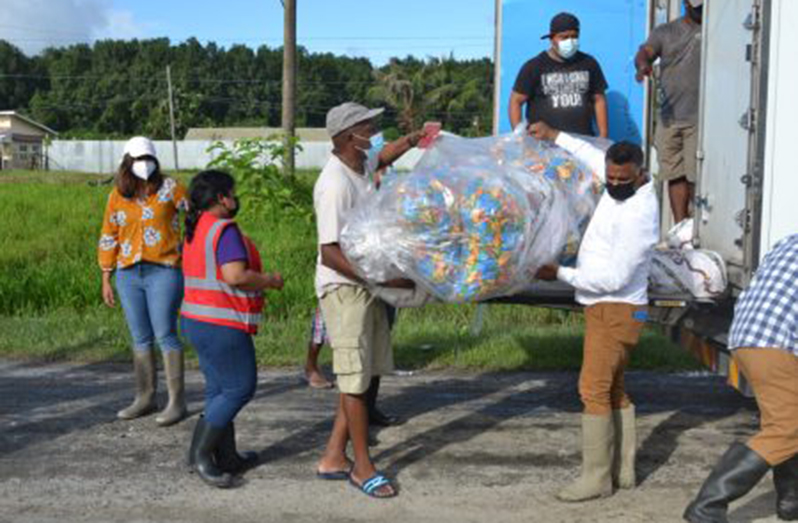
{"points": [[142, 230]]}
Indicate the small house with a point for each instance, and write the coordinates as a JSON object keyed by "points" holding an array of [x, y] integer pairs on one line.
{"points": [[22, 142]]}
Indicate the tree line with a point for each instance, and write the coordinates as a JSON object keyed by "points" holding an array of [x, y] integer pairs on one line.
{"points": [[115, 89]]}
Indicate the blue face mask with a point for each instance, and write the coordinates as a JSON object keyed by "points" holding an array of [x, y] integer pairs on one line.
{"points": [[568, 48], [373, 153]]}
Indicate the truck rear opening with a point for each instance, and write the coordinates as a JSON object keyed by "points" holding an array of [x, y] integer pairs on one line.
{"points": [[748, 109]]}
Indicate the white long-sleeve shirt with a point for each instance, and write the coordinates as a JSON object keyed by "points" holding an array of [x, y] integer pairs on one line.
{"points": [[614, 258]]}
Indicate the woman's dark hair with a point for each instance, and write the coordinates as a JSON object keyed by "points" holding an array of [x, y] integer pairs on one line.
{"points": [[203, 193], [129, 185]]}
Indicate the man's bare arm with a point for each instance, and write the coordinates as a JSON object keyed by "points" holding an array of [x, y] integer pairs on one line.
{"points": [[333, 257], [643, 59], [602, 120], [517, 101]]}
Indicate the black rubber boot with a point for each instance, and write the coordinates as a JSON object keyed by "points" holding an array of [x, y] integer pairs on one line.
{"points": [[205, 441], [377, 418], [227, 457], [785, 478], [192, 450], [737, 472]]}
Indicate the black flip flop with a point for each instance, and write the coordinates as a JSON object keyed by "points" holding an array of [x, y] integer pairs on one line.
{"points": [[337, 475]]}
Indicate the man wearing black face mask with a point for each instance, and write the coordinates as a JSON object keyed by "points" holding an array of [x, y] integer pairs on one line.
{"points": [[611, 281], [678, 47]]}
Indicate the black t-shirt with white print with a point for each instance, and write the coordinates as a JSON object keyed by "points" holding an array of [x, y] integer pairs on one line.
{"points": [[561, 93]]}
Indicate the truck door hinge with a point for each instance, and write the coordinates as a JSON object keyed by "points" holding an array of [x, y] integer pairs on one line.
{"points": [[748, 119], [751, 22], [750, 181], [743, 219]]}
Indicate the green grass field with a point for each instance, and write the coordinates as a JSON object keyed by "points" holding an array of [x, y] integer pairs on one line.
{"points": [[50, 306]]}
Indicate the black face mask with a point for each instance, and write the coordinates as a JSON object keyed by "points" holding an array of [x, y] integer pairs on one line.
{"points": [[622, 191]]}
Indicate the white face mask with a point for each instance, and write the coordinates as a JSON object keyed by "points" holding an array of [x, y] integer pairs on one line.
{"points": [[143, 169], [568, 48], [373, 153]]}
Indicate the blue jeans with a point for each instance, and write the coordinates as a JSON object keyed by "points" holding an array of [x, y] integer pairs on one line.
{"points": [[150, 295], [227, 360]]}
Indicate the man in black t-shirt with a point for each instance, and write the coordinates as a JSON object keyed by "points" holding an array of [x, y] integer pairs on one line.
{"points": [[562, 86]]}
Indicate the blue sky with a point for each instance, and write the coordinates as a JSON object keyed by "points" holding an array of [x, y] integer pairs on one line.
{"points": [[377, 29]]}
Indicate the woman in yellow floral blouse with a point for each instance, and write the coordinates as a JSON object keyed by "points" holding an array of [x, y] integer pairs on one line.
{"points": [[140, 239]]}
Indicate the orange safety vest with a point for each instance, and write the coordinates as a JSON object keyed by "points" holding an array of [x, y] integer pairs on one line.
{"points": [[207, 297]]}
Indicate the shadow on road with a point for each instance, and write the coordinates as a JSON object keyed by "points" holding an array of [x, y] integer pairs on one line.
{"points": [[410, 402]]}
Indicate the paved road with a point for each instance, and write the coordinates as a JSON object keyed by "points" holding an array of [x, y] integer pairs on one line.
{"points": [[481, 448]]}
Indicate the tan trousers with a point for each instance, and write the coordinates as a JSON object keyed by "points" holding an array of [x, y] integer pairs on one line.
{"points": [[773, 374], [611, 332], [357, 324]]}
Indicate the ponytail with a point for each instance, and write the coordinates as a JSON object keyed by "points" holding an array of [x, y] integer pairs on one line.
{"points": [[203, 193], [191, 221]]}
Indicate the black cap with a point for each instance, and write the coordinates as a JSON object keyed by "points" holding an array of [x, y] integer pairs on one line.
{"points": [[561, 23]]}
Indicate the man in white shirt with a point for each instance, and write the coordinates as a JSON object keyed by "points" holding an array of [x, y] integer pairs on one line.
{"points": [[357, 322], [611, 281]]}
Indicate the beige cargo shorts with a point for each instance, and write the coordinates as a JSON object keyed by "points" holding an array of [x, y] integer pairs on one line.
{"points": [[677, 146], [357, 325]]}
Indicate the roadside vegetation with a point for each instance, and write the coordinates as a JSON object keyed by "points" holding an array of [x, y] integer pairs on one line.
{"points": [[51, 307]]}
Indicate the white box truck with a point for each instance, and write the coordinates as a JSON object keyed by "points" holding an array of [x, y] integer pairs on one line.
{"points": [[747, 190]]}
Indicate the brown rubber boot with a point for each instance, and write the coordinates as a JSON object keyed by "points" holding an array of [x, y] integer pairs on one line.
{"points": [[176, 407], [144, 372], [597, 449], [623, 468]]}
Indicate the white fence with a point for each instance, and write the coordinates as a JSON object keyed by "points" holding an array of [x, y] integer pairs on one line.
{"points": [[103, 156]]}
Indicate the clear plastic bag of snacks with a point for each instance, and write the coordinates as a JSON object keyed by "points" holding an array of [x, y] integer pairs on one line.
{"points": [[475, 218]]}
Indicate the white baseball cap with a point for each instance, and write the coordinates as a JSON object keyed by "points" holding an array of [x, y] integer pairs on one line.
{"points": [[348, 114], [140, 146], [696, 3]]}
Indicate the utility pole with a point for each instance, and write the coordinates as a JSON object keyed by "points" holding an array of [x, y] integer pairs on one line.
{"points": [[289, 84], [172, 114]]}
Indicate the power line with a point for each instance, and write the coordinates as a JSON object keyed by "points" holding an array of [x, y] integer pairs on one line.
{"points": [[194, 79], [279, 39], [261, 104], [355, 52]]}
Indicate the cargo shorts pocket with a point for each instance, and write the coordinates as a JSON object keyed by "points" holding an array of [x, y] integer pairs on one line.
{"points": [[348, 358]]}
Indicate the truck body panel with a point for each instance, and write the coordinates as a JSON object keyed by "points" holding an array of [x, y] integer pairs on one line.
{"points": [[779, 212], [724, 132]]}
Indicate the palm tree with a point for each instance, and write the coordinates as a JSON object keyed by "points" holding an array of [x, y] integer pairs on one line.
{"points": [[438, 89]]}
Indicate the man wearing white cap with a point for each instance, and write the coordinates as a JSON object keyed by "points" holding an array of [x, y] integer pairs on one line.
{"points": [[357, 323], [678, 47]]}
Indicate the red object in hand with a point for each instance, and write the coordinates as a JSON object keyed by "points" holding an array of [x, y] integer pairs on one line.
{"points": [[431, 131]]}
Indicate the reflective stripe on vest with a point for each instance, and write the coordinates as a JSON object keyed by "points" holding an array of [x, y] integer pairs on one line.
{"points": [[210, 255], [211, 282], [220, 313], [216, 285]]}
